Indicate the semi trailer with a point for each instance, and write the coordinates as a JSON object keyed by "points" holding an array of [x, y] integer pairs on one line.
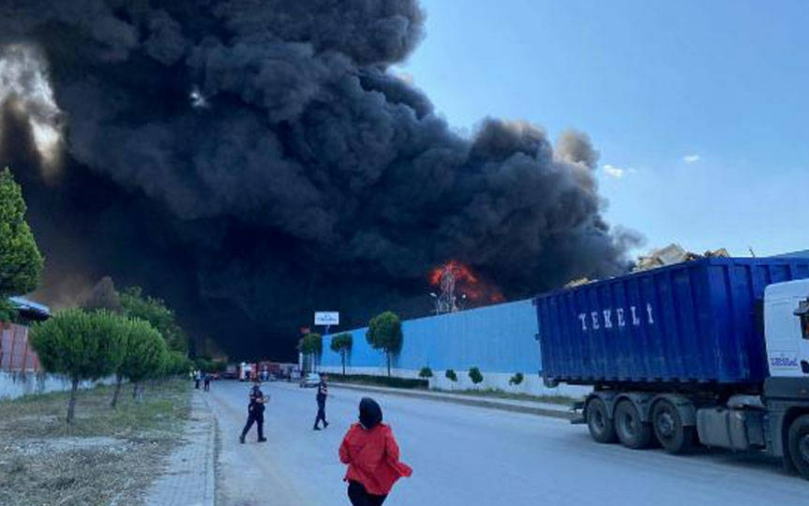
{"points": [[713, 352]]}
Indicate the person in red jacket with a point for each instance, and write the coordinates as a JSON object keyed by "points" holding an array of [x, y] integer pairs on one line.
{"points": [[372, 456]]}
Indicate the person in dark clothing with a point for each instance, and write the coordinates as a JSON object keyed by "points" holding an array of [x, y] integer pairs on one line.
{"points": [[207, 384], [255, 412], [322, 393], [372, 455]]}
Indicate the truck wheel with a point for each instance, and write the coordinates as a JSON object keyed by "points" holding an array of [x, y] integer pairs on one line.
{"points": [[799, 444], [602, 428], [669, 429], [632, 432]]}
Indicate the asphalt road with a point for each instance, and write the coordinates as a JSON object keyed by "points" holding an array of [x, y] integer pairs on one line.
{"points": [[468, 456]]}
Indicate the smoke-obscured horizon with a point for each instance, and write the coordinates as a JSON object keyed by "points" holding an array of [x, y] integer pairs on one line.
{"points": [[253, 161]]}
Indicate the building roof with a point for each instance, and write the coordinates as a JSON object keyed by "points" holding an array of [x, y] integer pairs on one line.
{"points": [[30, 309]]}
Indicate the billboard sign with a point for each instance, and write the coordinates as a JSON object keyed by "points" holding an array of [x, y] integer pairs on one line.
{"points": [[327, 318]]}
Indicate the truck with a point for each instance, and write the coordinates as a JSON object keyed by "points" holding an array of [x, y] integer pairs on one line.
{"points": [[713, 351]]}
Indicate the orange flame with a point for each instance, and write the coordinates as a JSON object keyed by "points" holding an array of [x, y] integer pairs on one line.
{"points": [[467, 283]]}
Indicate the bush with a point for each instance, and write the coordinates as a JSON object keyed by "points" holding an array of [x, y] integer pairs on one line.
{"points": [[475, 375], [450, 374], [516, 379], [425, 373]]}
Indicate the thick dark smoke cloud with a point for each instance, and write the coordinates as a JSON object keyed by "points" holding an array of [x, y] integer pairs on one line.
{"points": [[252, 161]]}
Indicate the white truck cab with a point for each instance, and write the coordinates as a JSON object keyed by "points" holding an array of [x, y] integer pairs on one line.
{"points": [[786, 328]]}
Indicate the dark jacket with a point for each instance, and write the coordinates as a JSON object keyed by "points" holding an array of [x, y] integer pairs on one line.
{"points": [[322, 391], [256, 400]]}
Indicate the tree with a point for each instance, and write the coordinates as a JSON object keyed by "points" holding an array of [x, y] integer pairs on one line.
{"points": [[104, 296], [475, 375], [342, 343], [176, 363], [137, 305], [80, 345], [20, 260], [451, 375], [425, 373], [385, 333], [145, 353], [311, 345]]}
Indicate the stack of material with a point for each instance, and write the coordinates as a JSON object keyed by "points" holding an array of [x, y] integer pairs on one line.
{"points": [[674, 254]]}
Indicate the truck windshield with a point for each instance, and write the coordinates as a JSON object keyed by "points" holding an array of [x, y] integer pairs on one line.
{"points": [[805, 325]]}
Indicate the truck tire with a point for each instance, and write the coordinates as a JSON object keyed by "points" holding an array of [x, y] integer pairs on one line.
{"points": [[799, 445], [668, 427], [601, 426], [632, 431]]}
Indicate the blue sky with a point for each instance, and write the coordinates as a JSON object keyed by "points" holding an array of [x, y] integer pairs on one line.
{"points": [[700, 109]]}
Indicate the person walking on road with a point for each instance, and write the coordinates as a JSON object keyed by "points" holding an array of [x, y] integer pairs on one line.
{"points": [[372, 455], [322, 393], [197, 378], [207, 382], [255, 412]]}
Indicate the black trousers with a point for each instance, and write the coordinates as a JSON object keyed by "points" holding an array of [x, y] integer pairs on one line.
{"points": [[321, 412], [360, 497], [258, 419]]}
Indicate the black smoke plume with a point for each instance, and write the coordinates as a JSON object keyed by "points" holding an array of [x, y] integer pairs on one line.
{"points": [[251, 161]]}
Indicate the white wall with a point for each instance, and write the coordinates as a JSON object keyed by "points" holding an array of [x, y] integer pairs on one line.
{"points": [[18, 384], [531, 384]]}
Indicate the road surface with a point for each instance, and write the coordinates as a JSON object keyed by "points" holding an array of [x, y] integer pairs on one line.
{"points": [[468, 456]]}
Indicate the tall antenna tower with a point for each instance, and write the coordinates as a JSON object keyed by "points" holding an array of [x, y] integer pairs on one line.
{"points": [[447, 302]]}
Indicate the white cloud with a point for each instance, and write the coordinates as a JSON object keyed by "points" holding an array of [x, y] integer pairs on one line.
{"points": [[614, 172], [691, 158]]}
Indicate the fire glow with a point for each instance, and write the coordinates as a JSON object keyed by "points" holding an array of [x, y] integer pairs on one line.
{"points": [[466, 283]]}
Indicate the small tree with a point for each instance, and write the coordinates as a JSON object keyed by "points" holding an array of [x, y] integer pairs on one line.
{"points": [[342, 343], [80, 345], [425, 373], [311, 345], [145, 354], [385, 333], [20, 260], [450, 374], [516, 379], [175, 363], [137, 305], [475, 375]]}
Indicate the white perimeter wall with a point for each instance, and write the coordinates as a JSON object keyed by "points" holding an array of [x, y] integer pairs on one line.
{"points": [[531, 384]]}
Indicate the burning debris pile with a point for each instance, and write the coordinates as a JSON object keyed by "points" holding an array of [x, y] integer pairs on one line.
{"points": [[251, 161]]}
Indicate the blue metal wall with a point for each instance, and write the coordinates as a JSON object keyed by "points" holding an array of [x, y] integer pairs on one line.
{"points": [[497, 338]]}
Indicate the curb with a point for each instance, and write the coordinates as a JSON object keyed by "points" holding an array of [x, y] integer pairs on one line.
{"points": [[561, 413]]}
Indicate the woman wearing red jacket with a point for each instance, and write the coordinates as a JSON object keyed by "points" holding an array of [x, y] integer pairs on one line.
{"points": [[372, 456]]}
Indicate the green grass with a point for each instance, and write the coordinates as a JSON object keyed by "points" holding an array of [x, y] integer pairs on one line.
{"points": [[106, 456], [501, 394]]}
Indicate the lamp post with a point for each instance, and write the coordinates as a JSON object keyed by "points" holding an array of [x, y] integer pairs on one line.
{"points": [[434, 296]]}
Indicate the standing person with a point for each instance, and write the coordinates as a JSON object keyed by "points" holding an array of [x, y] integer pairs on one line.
{"points": [[372, 455], [255, 412], [207, 383], [197, 378], [322, 393]]}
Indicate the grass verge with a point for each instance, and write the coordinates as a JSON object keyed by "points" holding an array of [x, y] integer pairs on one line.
{"points": [[501, 394], [105, 457]]}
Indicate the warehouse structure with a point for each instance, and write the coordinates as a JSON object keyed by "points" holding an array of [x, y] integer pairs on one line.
{"points": [[500, 340]]}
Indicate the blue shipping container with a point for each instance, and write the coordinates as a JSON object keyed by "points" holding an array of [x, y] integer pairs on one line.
{"points": [[689, 322]]}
